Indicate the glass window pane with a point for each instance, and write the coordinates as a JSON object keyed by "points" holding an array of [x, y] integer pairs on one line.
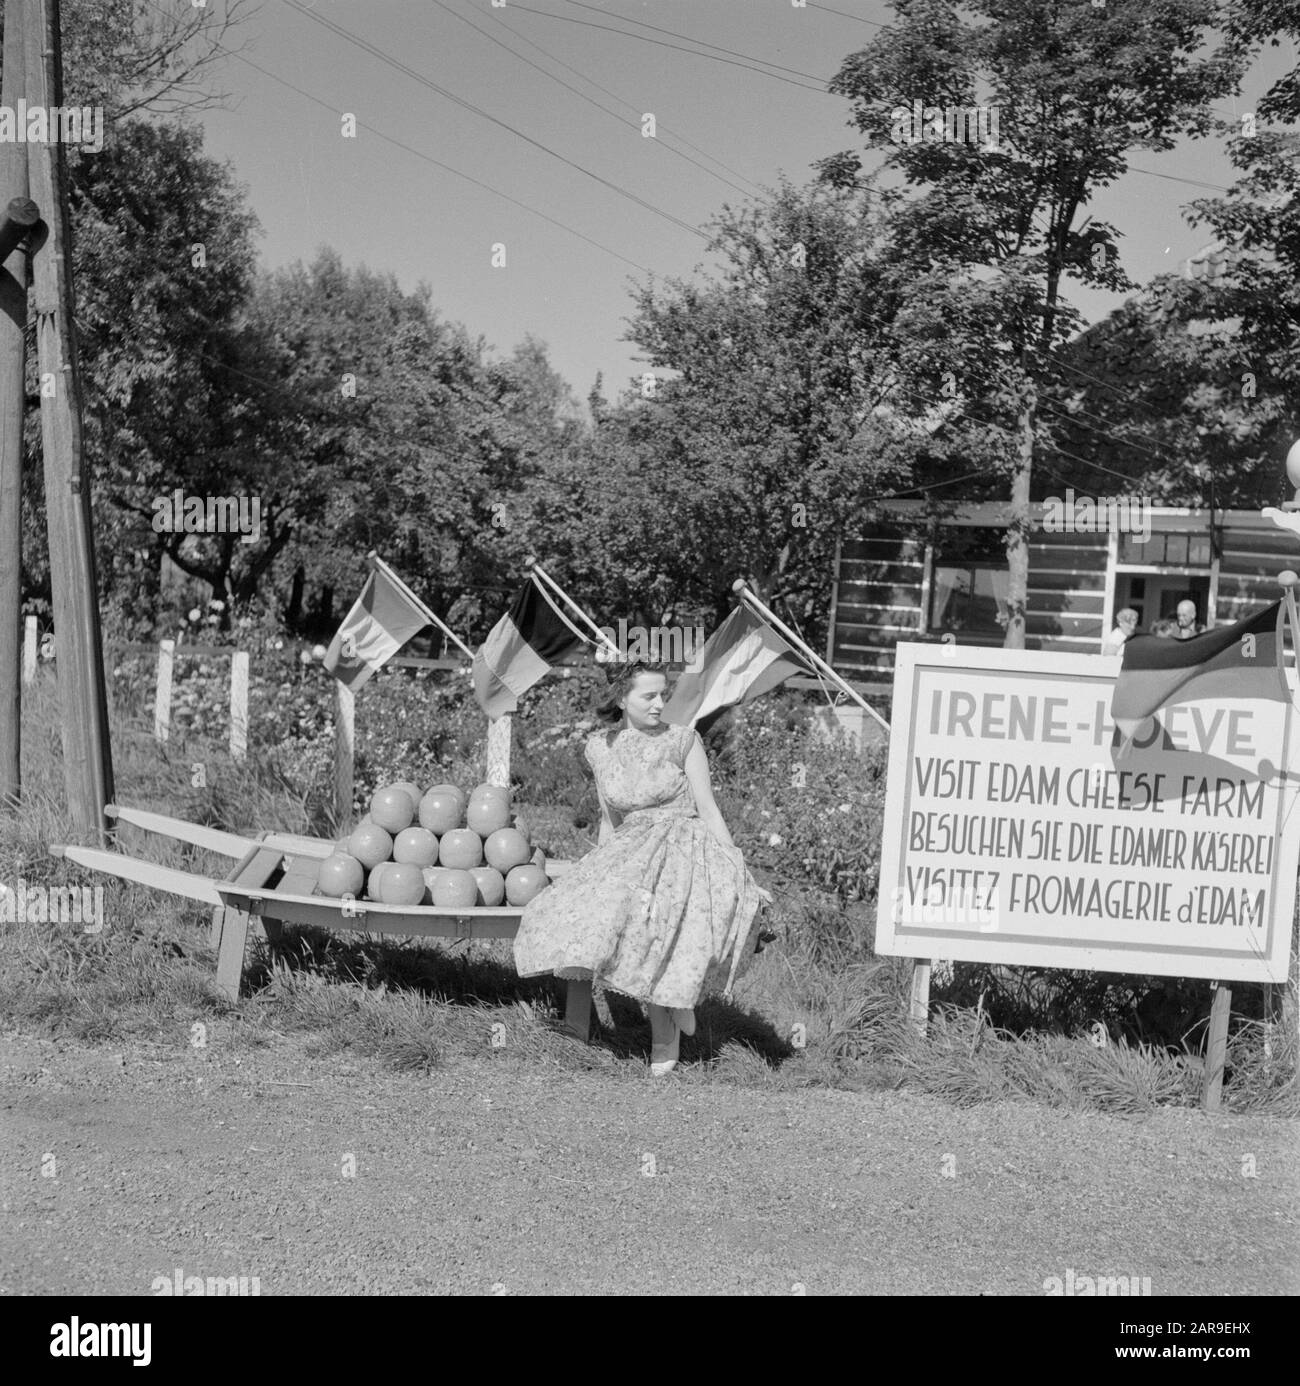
{"points": [[1176, 549], [1199, 553], [946, 601]]}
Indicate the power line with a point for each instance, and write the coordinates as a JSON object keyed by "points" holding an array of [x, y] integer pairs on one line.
{"points": [[681, 139], [589, 24], [332, 108], [367, 47], [654, 28], [582, 95], [844, 14], [1101, 432], [1125, 395]]}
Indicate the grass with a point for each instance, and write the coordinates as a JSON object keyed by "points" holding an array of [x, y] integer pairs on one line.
{"points": [[815, 1009]]}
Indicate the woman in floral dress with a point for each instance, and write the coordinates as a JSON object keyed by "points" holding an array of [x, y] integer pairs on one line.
{"points": [[663, 909]]}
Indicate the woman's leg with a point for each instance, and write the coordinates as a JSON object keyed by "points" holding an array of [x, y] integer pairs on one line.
{"points": [[665, 1037]]}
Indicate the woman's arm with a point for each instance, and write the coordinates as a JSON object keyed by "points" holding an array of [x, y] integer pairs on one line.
{"points": [[697, 774]]}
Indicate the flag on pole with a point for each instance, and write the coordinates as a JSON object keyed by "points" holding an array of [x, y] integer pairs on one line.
{"points": [[383, 619], [743, 659], [1239, 661], [532, 636]]}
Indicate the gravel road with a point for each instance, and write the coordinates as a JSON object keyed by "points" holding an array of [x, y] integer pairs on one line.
{"points": [[335, 1176]]}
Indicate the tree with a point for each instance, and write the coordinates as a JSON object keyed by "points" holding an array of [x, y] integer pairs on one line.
{"points": [[1199, 378], [133, 55], [1076, 89], [416, 445], [179, 391], [763, 442]]}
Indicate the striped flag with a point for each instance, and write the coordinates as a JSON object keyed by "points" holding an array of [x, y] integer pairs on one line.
{"points": [[383, 619], [1239, 661], [743, 659], [532, 636]]}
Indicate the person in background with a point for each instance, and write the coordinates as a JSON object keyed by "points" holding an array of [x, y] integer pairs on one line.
{"points": [[1188, 625], [1125, 627]]}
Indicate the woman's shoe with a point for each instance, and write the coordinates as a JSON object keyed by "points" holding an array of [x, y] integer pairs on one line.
{"points": [[660, 1070], [684, 1019]]}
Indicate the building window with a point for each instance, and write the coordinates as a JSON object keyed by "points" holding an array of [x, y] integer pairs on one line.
{"points": [[1175, 550], [970, 598]]}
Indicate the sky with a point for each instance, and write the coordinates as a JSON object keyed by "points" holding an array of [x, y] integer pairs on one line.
{"points": [[622, 207]]}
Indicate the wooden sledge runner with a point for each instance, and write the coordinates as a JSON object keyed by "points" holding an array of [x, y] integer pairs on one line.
{"points": [[271, 883]]}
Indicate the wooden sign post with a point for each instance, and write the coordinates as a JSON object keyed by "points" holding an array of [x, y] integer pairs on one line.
{"points": [[1216, 1047]]}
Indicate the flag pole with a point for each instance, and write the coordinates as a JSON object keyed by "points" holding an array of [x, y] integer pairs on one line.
{"points": [[377, 563], [534, 567], [746, 595]]}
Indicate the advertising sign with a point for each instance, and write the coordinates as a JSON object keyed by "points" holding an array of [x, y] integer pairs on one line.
{"points": [[1017, 833]]}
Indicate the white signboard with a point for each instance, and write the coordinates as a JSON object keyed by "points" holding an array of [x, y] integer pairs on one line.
{"points": [[1015, 833]]}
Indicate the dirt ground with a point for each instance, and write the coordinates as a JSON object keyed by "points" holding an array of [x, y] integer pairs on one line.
{"points": [[335, 1176]]}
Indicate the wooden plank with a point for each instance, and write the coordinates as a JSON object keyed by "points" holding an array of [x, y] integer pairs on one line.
{"points": [[1067, 580], [368, 916], [859, 612], [300, 876], [317, 847], [149, 873], [257, 867], [230, 953], [213, 839]]}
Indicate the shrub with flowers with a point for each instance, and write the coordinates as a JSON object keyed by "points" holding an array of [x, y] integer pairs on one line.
{"points": [[800, 802]]}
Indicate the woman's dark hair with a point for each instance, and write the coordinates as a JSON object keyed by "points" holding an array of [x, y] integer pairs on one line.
{"points": [[620, 675]]}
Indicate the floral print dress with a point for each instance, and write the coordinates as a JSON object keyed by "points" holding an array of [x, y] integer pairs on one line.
{"points": [[662, 910]]}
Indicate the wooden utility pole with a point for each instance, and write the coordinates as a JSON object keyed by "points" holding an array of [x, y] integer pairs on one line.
{"points": [[87, 752], [13, 328]]}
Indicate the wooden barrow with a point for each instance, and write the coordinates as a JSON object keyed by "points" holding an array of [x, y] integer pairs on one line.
{"points": [[271, 883]]}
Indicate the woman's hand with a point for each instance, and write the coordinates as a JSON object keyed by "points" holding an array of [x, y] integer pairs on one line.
{"points": [[765, 895]]}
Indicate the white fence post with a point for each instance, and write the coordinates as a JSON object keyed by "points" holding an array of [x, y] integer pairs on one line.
{"points": [[29, 650], [239, 704], [162, 708], [344, 740], [498, 751]]}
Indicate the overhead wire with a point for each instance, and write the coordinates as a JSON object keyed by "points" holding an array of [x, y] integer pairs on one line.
{"points": [[397, 65], [762, 71], [654, 28], [568, 86], [426, 158], [591, 81]]}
